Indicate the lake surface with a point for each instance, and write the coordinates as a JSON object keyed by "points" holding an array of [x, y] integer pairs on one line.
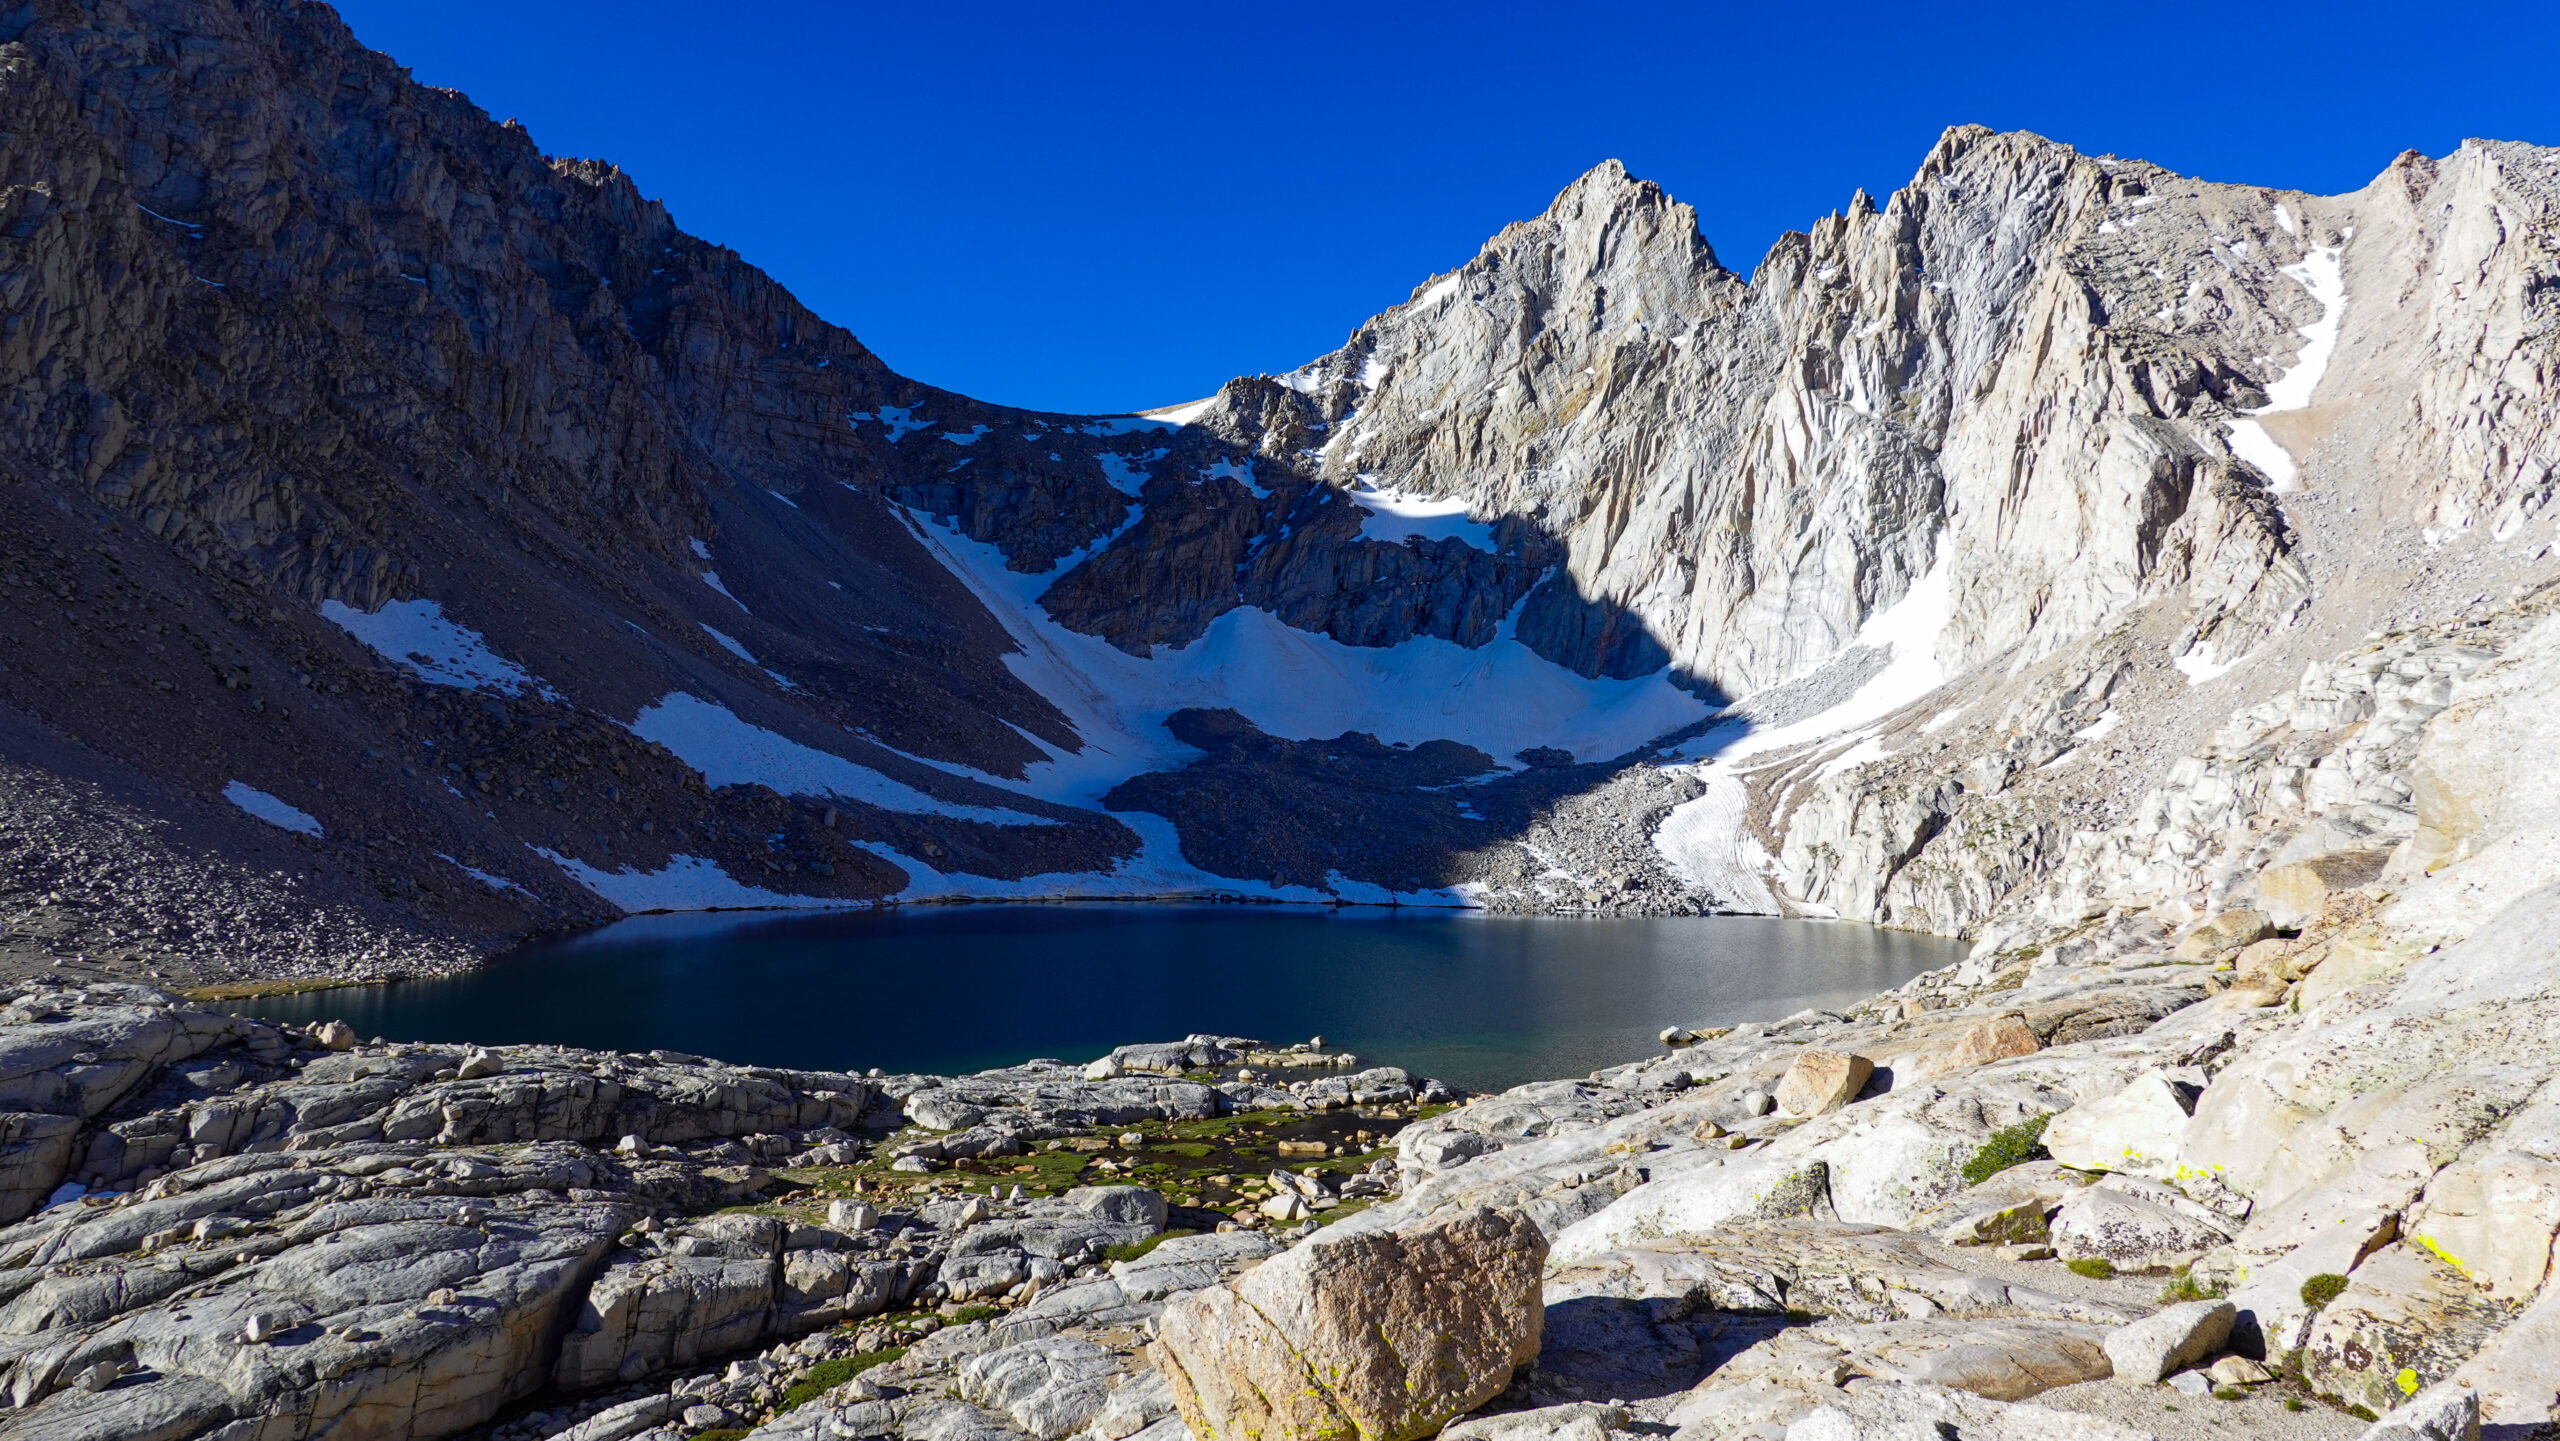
{"points": [[1480, 1001]]}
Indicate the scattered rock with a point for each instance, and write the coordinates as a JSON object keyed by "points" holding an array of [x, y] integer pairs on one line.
{"points": [[2170, 1340], [1818, 1081]]}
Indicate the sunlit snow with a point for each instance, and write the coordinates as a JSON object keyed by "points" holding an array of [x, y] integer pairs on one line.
{"points": [[2199, 666], [1181, 414], [2320, 273], [1910, 627], [1708, 843]]}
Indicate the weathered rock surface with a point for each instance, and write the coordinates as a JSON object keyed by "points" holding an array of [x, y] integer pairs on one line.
{"points": [[2170, 1340], [1390, 1332]]}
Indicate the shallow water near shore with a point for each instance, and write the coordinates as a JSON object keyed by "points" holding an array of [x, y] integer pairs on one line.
{"points": [[1481, 1001]]}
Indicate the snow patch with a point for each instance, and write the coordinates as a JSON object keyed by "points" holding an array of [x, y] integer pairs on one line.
{"points": [[965, 437], [2320, 273], [1501, 698], [1231, 470], [684, 883], [416, 636], [1180, 414], [2199, 666], [1707, 843], [1122, 473], [272, 810], [711, 578], [1440, 290], [493, 882], [1396, 515], [1867, 749], [2102, 726], [898, 420], [730, 752], [1908, 630], [731, 645]]}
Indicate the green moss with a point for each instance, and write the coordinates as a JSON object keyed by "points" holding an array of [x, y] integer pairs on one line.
{"points": [[2361, 1413], [1345, 1211], [721, 1433], [2230, 1393], [2322, 1289], [2096, 1268], [1195, 1150], [967, 1314], [828, 1375], [2293, 1403], [2012, 1146], [1134, 1249], [1056, 1170]]}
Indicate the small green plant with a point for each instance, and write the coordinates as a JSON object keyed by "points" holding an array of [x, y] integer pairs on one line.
{"points": [[1134, 1249], [2230, 1393], [967, 1314], [2293, 1403], [828, 1375], [2184, 1287], [2361, 1413], [2096, 1268], [2011, 1146], [2322, 1289], [721, 1433]]}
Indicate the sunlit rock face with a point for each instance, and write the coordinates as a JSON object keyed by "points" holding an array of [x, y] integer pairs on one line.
{"points": [[436, 522]]}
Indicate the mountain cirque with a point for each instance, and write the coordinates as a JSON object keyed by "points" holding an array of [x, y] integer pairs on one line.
{"points": [[418, 540], [426, 529]]}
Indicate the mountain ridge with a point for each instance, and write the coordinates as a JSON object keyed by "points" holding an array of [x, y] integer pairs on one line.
{"points": [[308, 364]]}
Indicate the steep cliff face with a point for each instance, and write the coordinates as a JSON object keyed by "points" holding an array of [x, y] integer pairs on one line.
{"points": [[434, 520]]}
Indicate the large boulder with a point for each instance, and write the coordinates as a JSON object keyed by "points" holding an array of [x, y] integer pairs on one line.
{"points": [[2170, 1340], [1382, 1333], [2406, 1320], [2001, 1038], [2226, 932], [2295, 894], [2138, 1129], [2136, 1225], [1819, 1080]]}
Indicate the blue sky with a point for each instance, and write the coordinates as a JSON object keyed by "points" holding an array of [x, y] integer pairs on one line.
{"points": [[1103, 207]]}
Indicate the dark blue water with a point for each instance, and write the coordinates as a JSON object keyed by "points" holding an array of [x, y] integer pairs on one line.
{"points": [[1480, 1001]]}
